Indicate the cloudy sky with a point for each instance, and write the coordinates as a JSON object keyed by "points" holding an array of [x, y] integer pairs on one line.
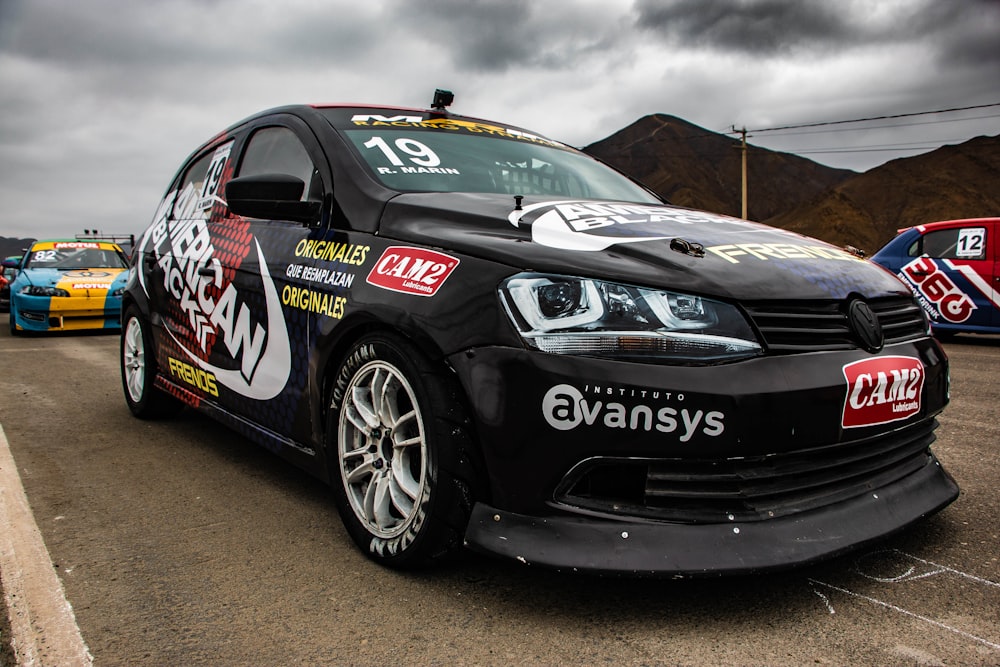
{"points": [[100, 100]]}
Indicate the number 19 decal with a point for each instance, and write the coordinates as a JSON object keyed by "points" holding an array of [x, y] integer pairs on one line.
{"points": [[419, 154]]}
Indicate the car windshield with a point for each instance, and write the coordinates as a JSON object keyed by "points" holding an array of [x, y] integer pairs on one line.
{"points": [[75, 258], [442, 160]]}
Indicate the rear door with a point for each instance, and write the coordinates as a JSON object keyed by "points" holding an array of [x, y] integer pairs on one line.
{"points": [[276, 294]]}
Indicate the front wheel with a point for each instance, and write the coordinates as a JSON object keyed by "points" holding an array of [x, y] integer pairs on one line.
{"points": [[404, 481], [138, 366]]}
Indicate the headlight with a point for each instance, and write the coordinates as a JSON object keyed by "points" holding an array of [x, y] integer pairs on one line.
{"points": [[567, 315], [39, 290], [118, 291]]}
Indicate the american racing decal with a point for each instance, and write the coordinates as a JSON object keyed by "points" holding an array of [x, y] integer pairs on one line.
{"points": [[216, 312], [411, 270], [261, 350], [592, 226], [881, 390], [565, 408], [937, 293]]}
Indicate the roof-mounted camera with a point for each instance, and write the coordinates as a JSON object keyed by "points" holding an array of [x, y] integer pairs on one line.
{"points": [[442, 99]]}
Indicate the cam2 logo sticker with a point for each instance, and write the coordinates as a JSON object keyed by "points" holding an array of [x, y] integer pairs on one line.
{"points": [[412, 270], [882, 390]]}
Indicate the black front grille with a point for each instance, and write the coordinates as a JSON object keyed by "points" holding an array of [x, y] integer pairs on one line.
{"points": [[813, 326], [751, 489]]}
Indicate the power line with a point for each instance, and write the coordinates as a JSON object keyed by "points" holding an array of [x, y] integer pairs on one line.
{"points": [[813, 151], [903, 146], [886, 117], [879, 127]]}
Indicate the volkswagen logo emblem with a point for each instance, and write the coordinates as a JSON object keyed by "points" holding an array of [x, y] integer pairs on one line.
{"points": [[865, 325]]}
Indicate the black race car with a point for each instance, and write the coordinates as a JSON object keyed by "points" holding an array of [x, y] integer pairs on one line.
{"points": [[482, 337]]}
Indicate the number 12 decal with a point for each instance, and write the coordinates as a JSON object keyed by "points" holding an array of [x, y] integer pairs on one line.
{"points": [[420, 154], [970, 242]]}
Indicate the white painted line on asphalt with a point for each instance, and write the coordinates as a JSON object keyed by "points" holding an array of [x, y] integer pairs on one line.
{"points": [[43, 628]]}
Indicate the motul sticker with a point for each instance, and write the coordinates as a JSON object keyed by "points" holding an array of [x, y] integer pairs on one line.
{"points": [[411, 270], [77, 244], [882, 390]]}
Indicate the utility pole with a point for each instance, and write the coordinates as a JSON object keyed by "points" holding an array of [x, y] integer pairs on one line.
{"points": [[743, 148]]}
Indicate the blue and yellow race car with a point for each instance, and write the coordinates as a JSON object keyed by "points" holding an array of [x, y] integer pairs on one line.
{"points": [[68, 285]]}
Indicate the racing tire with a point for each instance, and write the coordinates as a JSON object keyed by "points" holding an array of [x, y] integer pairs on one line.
{"points": [[400, 453], [138, 370]]}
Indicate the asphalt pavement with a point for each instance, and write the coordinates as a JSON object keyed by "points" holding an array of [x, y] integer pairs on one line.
{"points": [[176, 542]]}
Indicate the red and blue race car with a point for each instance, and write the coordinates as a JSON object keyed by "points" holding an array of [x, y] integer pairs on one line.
{"points": [[953, 267]]}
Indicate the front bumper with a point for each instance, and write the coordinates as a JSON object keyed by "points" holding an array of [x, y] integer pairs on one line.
{"points": [[35, 313], [734, 468], [608, 546]]}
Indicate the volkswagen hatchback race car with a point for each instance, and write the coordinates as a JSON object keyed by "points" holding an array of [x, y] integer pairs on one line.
{"points": [[480, 336], [952, 267], [68, 285]]}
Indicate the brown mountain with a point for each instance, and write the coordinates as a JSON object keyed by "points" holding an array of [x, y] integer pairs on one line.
{"points": [[692, 166], [961, 181]]}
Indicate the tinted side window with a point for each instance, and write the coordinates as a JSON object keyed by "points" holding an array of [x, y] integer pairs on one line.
{"points": [[276, 150], [957, 243], [197, 193]]}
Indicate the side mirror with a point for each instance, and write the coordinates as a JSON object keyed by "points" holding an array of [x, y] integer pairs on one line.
{"points": [[271, 197], [11, 263]]}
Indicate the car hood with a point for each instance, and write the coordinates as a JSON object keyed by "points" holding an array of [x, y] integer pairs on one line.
{"points": [[73, 279], [661, 246]]}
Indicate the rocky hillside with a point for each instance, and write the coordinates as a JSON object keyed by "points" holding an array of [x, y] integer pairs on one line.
{"points": [[692, 166], [695, 167], [951, 182]]}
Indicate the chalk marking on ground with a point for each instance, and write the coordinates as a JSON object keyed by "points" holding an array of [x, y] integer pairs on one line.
{"points": [[940, 569], [906, 612], [42, 624]]}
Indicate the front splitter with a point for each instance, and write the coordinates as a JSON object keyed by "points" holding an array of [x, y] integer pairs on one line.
{"points": [[645, 548]]}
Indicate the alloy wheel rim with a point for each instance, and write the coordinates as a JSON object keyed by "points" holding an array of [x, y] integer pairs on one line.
{"points": [[134, 360], [382, 450]]}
